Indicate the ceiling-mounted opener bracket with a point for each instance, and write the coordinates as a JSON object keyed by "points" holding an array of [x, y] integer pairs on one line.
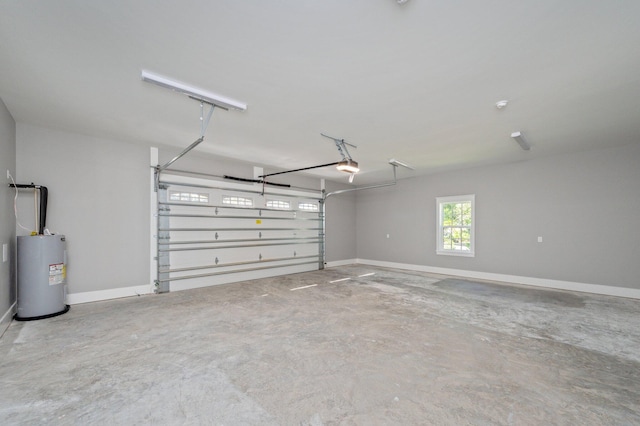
{"points": [[195, 93], [205, 122], [203, 128], [395, 163], [342, 147]]}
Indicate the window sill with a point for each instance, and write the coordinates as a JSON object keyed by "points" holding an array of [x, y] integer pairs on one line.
{"points": [[455, 253]]}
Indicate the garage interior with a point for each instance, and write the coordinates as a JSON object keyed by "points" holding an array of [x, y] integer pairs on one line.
{"points": [[390, 212]]}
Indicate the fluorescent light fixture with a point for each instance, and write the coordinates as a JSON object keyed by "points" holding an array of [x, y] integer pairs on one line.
{"points": [[193, 92], [348, 166], [395, 162], [521, 141]]}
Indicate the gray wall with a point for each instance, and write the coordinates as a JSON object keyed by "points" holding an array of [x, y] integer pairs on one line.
{"points": [[584, 205], [340, 222], [99, 198], [7, 221]]}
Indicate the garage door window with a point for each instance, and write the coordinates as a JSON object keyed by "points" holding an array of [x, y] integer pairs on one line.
{"points": [[232, 200], [190, 197], [310, 207], [278, 204]]}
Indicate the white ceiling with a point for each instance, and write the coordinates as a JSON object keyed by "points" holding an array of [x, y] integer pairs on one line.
{"points": [[417, 82]]}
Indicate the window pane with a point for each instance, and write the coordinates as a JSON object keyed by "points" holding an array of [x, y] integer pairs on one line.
{"points": [[447, 241], [458, 213], [465, 239], [455, 236], [447, 214], [455, 214], [466, 214]]}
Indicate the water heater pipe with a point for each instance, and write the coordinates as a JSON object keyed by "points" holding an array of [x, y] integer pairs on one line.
{"points": [[42, 211]]}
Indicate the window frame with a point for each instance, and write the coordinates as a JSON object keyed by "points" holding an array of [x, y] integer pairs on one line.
{"points": [[440, 202]]}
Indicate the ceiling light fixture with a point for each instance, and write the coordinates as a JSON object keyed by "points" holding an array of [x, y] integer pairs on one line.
{"points": [[348, 166], [502, 104], [517, 136], [193, 92]]}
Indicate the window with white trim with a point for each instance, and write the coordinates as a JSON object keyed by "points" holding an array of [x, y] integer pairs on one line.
{"points": [[190, 197], [456, 222], [310, 207], [278, 204], [233, 200]]}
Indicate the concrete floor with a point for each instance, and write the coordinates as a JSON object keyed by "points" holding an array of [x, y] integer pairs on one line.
{"points": [[395, 347]]}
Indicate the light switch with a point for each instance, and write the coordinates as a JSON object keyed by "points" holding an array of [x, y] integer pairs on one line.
{"points": [[539, 239], [5, 252]]}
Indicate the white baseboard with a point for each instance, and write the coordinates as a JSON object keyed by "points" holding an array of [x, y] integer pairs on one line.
{"points": [[113, 293], [7, 318], [340, 263], [532, 281], [116, 293]]}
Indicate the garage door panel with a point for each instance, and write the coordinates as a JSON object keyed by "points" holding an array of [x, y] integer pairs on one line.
{"points": [[188, 257], [181, 238], [226, 278], [203, 241], [216, 223]]}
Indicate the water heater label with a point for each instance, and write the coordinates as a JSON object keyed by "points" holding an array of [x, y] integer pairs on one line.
{"points": [[56, 274]]}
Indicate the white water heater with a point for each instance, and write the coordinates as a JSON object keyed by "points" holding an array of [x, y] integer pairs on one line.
{"points": [[42, 277]]}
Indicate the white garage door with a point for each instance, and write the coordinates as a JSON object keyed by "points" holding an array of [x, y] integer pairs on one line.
{"points": [[215, 231]]}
